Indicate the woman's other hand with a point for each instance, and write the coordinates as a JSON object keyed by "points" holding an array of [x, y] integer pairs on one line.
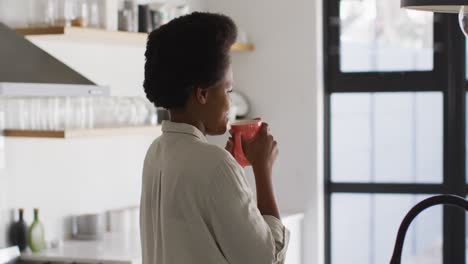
{"points": [[262, 150]]}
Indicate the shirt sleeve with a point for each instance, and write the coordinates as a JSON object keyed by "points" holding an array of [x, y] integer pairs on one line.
{"points": [[243, 235]]}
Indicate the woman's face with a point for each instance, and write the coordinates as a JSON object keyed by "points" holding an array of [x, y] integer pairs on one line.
{"points": [[218, 104]]}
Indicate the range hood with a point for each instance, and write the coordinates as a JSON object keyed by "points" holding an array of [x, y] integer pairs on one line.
{"points": [[27, 70]]}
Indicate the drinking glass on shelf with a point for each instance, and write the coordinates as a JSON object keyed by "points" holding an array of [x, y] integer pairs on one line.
{"points": [[82, 16], [119, 114], [16, 113], [52, 113], [141, 111], [68, 12], [51, 12], [67, 113], [152, 118], [133, 111], [77, 115], [90, 112], [31, 118], [101, 110], [42, 13], [94, 17], [81, 111], [59, 113], [4, 104], [128, 15]]}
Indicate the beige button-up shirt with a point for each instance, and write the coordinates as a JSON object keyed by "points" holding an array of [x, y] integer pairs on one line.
{"points": [[196, 206]]}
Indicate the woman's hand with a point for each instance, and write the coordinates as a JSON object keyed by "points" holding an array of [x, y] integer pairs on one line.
{"points": [[262, 150]]}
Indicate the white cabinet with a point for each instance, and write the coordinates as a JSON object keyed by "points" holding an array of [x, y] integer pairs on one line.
{"points": [[294, 223], [113, 249]]}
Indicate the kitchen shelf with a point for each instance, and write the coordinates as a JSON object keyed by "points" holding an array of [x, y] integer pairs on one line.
{"points": [[100, 36], [77, 133], [242, 47]]}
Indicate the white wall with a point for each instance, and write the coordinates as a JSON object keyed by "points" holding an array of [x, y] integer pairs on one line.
{"points": [[65, 177], [283, 80]]}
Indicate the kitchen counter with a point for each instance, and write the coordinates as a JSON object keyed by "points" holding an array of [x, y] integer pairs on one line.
{"points": [[112, 249], [125, 248]]}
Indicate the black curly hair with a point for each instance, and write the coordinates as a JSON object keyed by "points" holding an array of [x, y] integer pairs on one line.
{"points": [[189, 51]]}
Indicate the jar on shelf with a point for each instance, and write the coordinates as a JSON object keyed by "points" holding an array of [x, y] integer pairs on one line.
{"points": [[94, 9], [67, 12], [128, 15], [81, 18]]}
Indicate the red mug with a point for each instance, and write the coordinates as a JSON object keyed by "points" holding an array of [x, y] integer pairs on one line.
{"points": [[248, 129]]}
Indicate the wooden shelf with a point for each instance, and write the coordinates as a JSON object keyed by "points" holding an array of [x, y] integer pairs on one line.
{"points": [[99, 36], [242, 47], [76, 133], [85, 35]]}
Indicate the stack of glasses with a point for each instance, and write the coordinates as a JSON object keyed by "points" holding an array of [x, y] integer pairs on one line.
{"points": [[60, 113]]}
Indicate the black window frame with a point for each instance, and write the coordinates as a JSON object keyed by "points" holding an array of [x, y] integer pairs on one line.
{"points": [[448, 76]]}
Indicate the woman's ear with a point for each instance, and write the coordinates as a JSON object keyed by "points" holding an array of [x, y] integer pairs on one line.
{"points": [[201, 95]]}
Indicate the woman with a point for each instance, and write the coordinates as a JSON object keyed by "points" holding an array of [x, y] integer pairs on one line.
{"points": [[196, 206]]}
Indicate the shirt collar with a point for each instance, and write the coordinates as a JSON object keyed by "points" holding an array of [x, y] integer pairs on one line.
{"points": [[182, 128]]}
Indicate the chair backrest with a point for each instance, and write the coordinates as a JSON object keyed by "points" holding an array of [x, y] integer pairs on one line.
{"points": [[9, 255]]}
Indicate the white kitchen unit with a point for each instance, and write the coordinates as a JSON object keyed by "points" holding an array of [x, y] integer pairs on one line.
{"points": [[112, 249], [125, 249], [294, 222]]}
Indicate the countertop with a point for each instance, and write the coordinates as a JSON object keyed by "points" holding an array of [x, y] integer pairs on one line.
{"points": [[114, 248]]}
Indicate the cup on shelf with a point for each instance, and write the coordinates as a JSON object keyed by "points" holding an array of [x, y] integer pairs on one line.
{"points": [[128, 15], [78, 13], [145, 20], [94, 13], [42, 13], [82, 16], [68, 12], [88, 226]]}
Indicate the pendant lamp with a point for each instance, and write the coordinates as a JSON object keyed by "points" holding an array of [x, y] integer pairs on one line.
{"points": [[442, 6]]}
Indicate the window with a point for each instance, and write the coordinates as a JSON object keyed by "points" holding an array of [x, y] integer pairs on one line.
{"points": [[395, 131], [370, 234], [387, 137], [378, 36]]}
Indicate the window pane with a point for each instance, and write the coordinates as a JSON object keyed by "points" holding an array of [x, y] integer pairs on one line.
{"points": [[466, 59], [466, 137], [364, 229], [377, 35], [387, 137]]}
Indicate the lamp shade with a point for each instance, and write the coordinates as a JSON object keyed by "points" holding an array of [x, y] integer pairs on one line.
{"points": [[438, 6]]}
